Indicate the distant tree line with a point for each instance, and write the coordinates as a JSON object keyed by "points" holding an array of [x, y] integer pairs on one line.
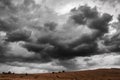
{"points": [[9, 72], [58, 72]]}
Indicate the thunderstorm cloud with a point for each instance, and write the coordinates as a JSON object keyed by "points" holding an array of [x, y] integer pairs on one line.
{"points": [[35, 34]]}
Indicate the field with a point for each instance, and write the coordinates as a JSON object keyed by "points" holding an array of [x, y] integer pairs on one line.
{"points": [[99, 74]]}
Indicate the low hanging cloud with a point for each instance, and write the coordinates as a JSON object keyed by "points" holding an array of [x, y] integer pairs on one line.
{"points": [[78, 63]]}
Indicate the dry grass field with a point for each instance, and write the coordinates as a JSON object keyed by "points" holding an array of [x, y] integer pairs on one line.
{"points": [[99, 74]]}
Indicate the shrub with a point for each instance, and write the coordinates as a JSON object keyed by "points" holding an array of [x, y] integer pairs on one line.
{"points": [[3, 73], [59, 72], [26, 74], [63, 71], [53, 72], [9, 72]]}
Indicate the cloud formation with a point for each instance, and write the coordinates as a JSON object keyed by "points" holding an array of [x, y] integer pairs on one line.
{"points": [[35, 33], [18, 35], [84, 45]]}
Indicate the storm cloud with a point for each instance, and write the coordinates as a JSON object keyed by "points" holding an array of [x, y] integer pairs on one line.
{"points": [[32, 33], [18, 35], [84, 45]]}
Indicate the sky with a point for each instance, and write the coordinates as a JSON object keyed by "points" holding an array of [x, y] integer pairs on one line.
{"points": [[39, 36]]}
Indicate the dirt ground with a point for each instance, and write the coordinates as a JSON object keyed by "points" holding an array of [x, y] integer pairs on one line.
{"points": [[99, 74]]}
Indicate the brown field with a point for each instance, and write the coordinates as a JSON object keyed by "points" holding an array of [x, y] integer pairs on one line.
{"points": [[99, 74]]}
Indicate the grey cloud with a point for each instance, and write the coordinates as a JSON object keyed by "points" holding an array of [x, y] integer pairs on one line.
{"points": [[49, 67], [7, 25], [33, 47], [29, 2], [111, 1], [17, 22], [85, 45], [18, 35], [119, 17], [3, 46], [50, 25], [40, 33], [83, 13], [112, 42], [101, 23], [68, 64], [6, 3], [79, 63]]}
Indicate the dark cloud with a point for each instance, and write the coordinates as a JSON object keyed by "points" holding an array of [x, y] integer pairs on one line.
{"points": [[80, 19], [67, 64], [112, 42], [111, 1], [101, 23], [7, 6], [18, 35], [7, 25], [50, 25], [119, 17], [28, 5], [11, 5], [29, 2], [3, 48], [33, 47], [5, 3], [52, 49], [96, 22], [83, 13], [47, 41], [16, 19], [85, 45]]}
